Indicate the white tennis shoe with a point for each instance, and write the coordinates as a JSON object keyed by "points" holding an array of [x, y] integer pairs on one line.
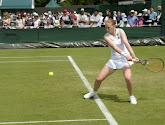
{"points": [[89, 95], [132, 100]]}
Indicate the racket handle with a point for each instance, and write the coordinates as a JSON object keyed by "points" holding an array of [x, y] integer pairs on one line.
{"points": [[133, 59]]}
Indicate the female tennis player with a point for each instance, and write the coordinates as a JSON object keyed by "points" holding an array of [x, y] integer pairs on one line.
{"points": [[121, 58]]}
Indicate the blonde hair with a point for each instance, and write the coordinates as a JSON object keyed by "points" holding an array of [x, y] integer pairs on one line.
{"points": [[7, 15], [111, 22]]}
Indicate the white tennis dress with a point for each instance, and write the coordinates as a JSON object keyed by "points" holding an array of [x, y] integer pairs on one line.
{"points": [[118, 61]]}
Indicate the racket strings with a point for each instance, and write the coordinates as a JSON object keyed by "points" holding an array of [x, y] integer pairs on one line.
{"points": [[155, 64]]}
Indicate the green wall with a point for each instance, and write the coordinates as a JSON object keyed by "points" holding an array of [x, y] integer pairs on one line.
{"points": [[70, 35], [163, 18], [156, 3]]}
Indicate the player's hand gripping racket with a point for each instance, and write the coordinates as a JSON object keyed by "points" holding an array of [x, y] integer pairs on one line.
{"points": [[153, 64]]}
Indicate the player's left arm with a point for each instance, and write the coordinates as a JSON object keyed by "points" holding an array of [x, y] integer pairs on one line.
{"points": [[125, 41]]}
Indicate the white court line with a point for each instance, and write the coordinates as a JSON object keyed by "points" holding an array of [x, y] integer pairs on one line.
{"points": [[31, 57], [31, 122], [99, 102], [33, 61]]}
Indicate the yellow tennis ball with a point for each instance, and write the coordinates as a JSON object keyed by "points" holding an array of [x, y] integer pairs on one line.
{"points": [[51, 73]]}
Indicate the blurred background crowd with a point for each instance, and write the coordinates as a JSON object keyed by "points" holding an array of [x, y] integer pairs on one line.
{"points": [[147, 17]]}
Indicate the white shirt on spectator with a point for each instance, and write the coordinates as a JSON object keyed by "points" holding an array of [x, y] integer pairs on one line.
{"points": [[158, 16], [96, 19], [106, 18], [101, 20], [20, 23], [83, 17], [65, 18], [36, 23]]}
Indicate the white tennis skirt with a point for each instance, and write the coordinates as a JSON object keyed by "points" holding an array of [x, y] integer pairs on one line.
{"points": [[113, 64]]}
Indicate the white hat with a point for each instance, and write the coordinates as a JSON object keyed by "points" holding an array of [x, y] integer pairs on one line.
{"points": [[57, 23], [145, 10], [35, 14], [123, 15], [82, 9], [75, 12], [140, 14], [132, 11]]}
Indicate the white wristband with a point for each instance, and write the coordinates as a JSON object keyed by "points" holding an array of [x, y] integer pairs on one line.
{"points": [[124, 53]]}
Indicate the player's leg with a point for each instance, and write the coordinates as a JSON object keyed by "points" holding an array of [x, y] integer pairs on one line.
{"points": [[128, 78], [106, 71]]}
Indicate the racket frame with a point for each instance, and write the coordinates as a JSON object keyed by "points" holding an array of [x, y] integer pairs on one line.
{"points": [[145, 61]]}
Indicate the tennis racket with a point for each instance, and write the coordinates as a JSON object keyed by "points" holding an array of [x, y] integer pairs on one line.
{"points": [[153, 64]]}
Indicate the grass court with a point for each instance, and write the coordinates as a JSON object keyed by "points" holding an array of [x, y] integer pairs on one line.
{"points": [[28, 94]]}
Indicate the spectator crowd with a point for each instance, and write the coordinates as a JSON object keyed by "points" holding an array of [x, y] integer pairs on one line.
{"points": [[65, 19]]}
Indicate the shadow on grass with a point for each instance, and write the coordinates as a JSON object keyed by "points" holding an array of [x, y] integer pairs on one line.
{"points": [[114, 98]]}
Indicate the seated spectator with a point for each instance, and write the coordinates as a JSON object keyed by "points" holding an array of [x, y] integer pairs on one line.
{"points": [[132, 20], [101, 19], [114, 14], [65, 18], [19, 22], [135, 13], [12, 26], [59, 15], [63, 25], [46, 17], [159, 14], [6, 20], [125, 23], [96, 18], [152, 16], [108, 16], [75, 25], [48, 25], [13, 17], [29, 21], [82, 19], [92, 23], [124, 17], [145, 16], [75, 13], [36, 21], [24, 18], [119, 18], [140, 20], [148, 11], [51, 17], [88, 19], [57, 24], [73, 17]]}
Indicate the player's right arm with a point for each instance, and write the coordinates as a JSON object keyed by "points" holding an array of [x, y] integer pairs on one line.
{"points": [[117, 49]]}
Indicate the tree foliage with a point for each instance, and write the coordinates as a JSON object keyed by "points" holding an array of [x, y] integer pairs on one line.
{"points": [[41, 3]]}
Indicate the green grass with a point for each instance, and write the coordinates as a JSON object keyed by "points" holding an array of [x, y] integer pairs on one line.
{"points": [[28, 93]]}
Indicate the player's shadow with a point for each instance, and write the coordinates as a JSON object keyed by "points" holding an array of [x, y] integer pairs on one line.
{"points": [[114, 98]]}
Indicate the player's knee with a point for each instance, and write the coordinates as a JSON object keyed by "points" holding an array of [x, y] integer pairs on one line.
{"points": [[128, 79], [99, 79]]}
